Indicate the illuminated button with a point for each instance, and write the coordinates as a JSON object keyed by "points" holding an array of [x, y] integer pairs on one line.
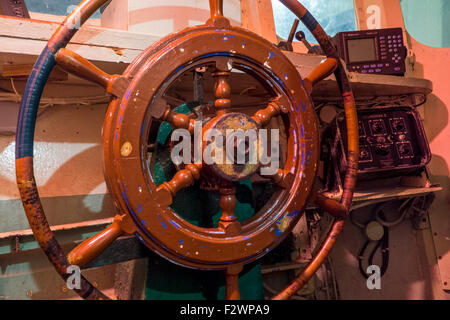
{"points": [[373, 66], [387, 64], [383, 57], [389, 37], [364, 71], [371, 71], [382, 37], [397, 69], [390, 50], [380, 65], [366, 66], [378, 70], [395, 50]]}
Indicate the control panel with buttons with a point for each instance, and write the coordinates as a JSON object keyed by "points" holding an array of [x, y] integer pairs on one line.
{"points": [[392, 141], [379, 51]]}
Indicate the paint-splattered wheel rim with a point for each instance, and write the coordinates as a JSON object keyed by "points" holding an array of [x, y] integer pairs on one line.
{"points": [[130, 179]]}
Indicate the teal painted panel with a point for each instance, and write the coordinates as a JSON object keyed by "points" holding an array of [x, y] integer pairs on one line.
{"points": [[428, 21], [167, 281]]}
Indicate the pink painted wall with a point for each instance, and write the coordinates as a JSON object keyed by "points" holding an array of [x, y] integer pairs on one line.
{"points": [[434, 64]]}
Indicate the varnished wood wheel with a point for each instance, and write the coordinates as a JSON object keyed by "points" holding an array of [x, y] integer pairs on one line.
{"points": [[139, 103]]}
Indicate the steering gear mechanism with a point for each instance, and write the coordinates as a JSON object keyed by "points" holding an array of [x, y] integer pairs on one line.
{"points": [[141, 101]]}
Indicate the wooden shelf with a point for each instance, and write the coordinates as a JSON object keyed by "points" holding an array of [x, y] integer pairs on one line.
{"points": [[363, 85], [389, 193], [113, 50], [382, 194]]}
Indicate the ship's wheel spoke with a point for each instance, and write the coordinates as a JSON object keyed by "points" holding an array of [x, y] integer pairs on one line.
{"points": [[80, 67], [91, 248], [273, 109], [182, 179], [227, 202], [222, 88]]}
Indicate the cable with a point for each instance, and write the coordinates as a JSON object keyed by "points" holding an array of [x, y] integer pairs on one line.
{"points": [[423, 101], [380, 217], [384, 243], [45, 102], [376, 101]]}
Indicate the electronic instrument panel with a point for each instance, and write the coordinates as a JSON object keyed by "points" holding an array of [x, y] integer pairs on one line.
{"points": [[392, 141], [379, 51]]}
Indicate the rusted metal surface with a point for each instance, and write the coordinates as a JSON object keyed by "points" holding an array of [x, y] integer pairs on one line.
{"points": [[24, 145], [231, 170], [41, 229]]}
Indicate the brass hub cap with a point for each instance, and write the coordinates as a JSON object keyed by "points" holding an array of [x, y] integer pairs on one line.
{"points": [[233, 142]]}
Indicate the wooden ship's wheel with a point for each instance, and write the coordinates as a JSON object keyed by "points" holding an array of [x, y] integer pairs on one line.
{"points": [[140, 104]]}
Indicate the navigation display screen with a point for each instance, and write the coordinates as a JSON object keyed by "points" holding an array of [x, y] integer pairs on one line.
{"points": [[361, 50]]}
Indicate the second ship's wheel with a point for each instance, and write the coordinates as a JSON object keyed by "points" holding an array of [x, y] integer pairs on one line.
{"points": [[141, 102]]}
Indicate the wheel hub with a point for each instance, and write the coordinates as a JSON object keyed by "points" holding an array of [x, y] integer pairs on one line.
{"points": [[232, 147]]}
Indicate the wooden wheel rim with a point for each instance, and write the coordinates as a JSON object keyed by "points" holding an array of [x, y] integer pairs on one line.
{"points": [[25, 141], [159, 227]]}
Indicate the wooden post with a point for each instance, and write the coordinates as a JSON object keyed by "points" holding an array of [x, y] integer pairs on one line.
{"points": [[257, 16], [115, 15]]}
